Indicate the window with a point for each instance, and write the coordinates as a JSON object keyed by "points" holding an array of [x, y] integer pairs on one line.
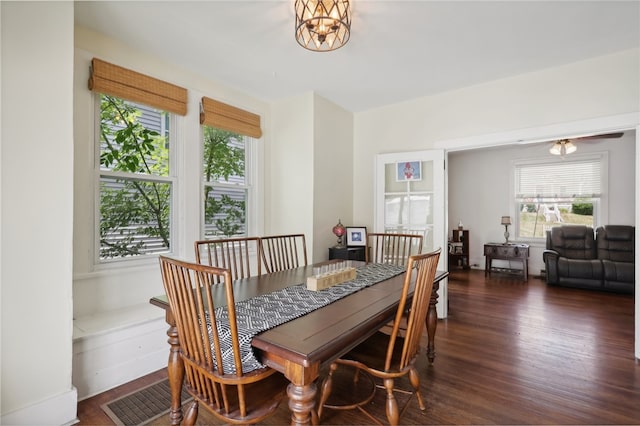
{"points": [[567, 191], [136, 179], [228, 141], [226, 189], [134, 170]]}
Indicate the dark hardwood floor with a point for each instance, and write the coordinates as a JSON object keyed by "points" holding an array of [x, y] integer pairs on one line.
{"points": [[509, 353]]}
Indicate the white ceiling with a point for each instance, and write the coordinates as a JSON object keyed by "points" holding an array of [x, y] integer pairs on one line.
{"points": [[398, 50]]}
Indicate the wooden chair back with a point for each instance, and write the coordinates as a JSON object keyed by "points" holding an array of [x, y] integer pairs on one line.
{"points": [[388, 356], [392, 248], [422, 267], [223, 388], [281, 252], [240, 255]]}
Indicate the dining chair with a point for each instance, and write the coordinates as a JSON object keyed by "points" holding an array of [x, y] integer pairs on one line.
{"points": [[395, 248], [392, 248], [387, 357], [240, 255], [220, 386], [280, 252]]}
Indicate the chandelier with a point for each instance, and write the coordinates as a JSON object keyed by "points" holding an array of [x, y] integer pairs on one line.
{"points": [[563, 147], [322, 25]]}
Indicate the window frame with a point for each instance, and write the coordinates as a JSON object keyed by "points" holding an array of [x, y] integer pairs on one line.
{"points": [[172, 179], [600, 204], [251, 154]]}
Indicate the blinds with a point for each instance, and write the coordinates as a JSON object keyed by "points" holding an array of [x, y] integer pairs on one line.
{"points": [[226, 117], [575, 179], [113, 80]]}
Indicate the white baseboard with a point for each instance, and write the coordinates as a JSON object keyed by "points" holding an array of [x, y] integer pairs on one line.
{"points": [[61, 409]]}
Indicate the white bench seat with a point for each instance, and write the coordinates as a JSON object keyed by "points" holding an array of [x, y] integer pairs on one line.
{"points": [[114, 347]]}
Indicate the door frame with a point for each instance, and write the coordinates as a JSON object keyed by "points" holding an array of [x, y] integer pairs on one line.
{"points": [[598, 125], [439, 202]]}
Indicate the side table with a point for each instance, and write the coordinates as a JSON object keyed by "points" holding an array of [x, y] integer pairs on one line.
{"points": [[347, 253], [510, 251]]}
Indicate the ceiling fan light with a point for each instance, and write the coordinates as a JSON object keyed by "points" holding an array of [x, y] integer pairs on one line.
{"points": [[570, 147], [556, 149], [322, 25], [563, 147]]}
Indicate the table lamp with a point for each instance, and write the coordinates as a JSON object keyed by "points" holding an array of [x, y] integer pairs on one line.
{"points": [[339, 230], [506, 221]]}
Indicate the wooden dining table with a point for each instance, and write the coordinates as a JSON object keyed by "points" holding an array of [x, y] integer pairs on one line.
{"points": [[300, 347]]}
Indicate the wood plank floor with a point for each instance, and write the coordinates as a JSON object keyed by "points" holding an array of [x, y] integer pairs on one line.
{"points": [[509, 353]]}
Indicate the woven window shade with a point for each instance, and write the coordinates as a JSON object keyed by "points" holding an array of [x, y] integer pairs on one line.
{"points": [[130, 85], [226, 117]]}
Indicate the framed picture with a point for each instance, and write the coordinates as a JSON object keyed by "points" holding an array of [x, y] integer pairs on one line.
{"points": [[408, 171], [356, 236]]}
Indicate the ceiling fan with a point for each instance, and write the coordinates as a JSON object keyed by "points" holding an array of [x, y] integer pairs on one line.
{"points": [[566, 146]]}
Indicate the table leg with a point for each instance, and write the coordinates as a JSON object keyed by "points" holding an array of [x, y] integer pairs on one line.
{"points": [[175, 370], [432, 322], [302, 389], [302, 403]]}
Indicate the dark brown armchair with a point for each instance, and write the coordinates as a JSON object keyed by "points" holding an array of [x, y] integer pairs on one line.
{"points": [[214, 381], [388, 357]]}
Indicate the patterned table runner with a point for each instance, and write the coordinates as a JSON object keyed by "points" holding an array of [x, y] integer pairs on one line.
{"points": [[264, 312]]}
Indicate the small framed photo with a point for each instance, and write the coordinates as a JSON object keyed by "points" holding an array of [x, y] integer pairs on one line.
{"points": [[356, 236], [408, 171]]}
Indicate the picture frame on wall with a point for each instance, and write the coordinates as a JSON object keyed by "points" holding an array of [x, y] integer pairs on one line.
{"points": [[356, 236], [407, 171]]}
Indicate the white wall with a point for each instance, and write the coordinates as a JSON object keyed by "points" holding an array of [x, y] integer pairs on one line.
{"points": [[37, 212], [599, 87], [289, 178], [332, 169], [311, 147], [480, 203]]}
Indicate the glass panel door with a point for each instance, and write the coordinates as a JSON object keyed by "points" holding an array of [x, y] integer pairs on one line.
{"points": [[409, 199]]}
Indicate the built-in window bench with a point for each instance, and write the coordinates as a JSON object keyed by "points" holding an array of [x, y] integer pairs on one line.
{"points": [[114, 347]]}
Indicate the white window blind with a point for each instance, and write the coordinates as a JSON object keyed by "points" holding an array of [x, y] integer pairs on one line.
{"points": [[559, 180]]}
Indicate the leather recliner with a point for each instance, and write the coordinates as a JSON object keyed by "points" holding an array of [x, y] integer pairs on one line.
{"points": [[616, 249], [576, 257], [571, 257]]}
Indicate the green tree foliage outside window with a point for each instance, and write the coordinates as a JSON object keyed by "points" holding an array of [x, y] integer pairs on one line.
{"points": [[225, 189], [134, 208]]}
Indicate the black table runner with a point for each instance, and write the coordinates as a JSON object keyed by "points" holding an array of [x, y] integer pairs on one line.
{"points": [[266, 311]]}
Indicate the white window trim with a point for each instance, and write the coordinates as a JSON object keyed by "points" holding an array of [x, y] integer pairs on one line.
{"points": [[253, 151], [601, 205], [173, 178]]}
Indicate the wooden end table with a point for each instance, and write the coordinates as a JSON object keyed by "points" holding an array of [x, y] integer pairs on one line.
{"points": [[507, 251]]}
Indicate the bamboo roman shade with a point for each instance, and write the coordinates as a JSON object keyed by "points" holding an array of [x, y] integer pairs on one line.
{"points": [[121, 82], [226, 117]]}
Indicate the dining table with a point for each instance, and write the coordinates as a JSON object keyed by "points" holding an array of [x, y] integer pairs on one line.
{"points": [[300, 347]]}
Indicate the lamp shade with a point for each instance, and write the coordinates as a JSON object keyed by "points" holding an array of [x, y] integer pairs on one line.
{"points": [[563, 147], [506, 220]]}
